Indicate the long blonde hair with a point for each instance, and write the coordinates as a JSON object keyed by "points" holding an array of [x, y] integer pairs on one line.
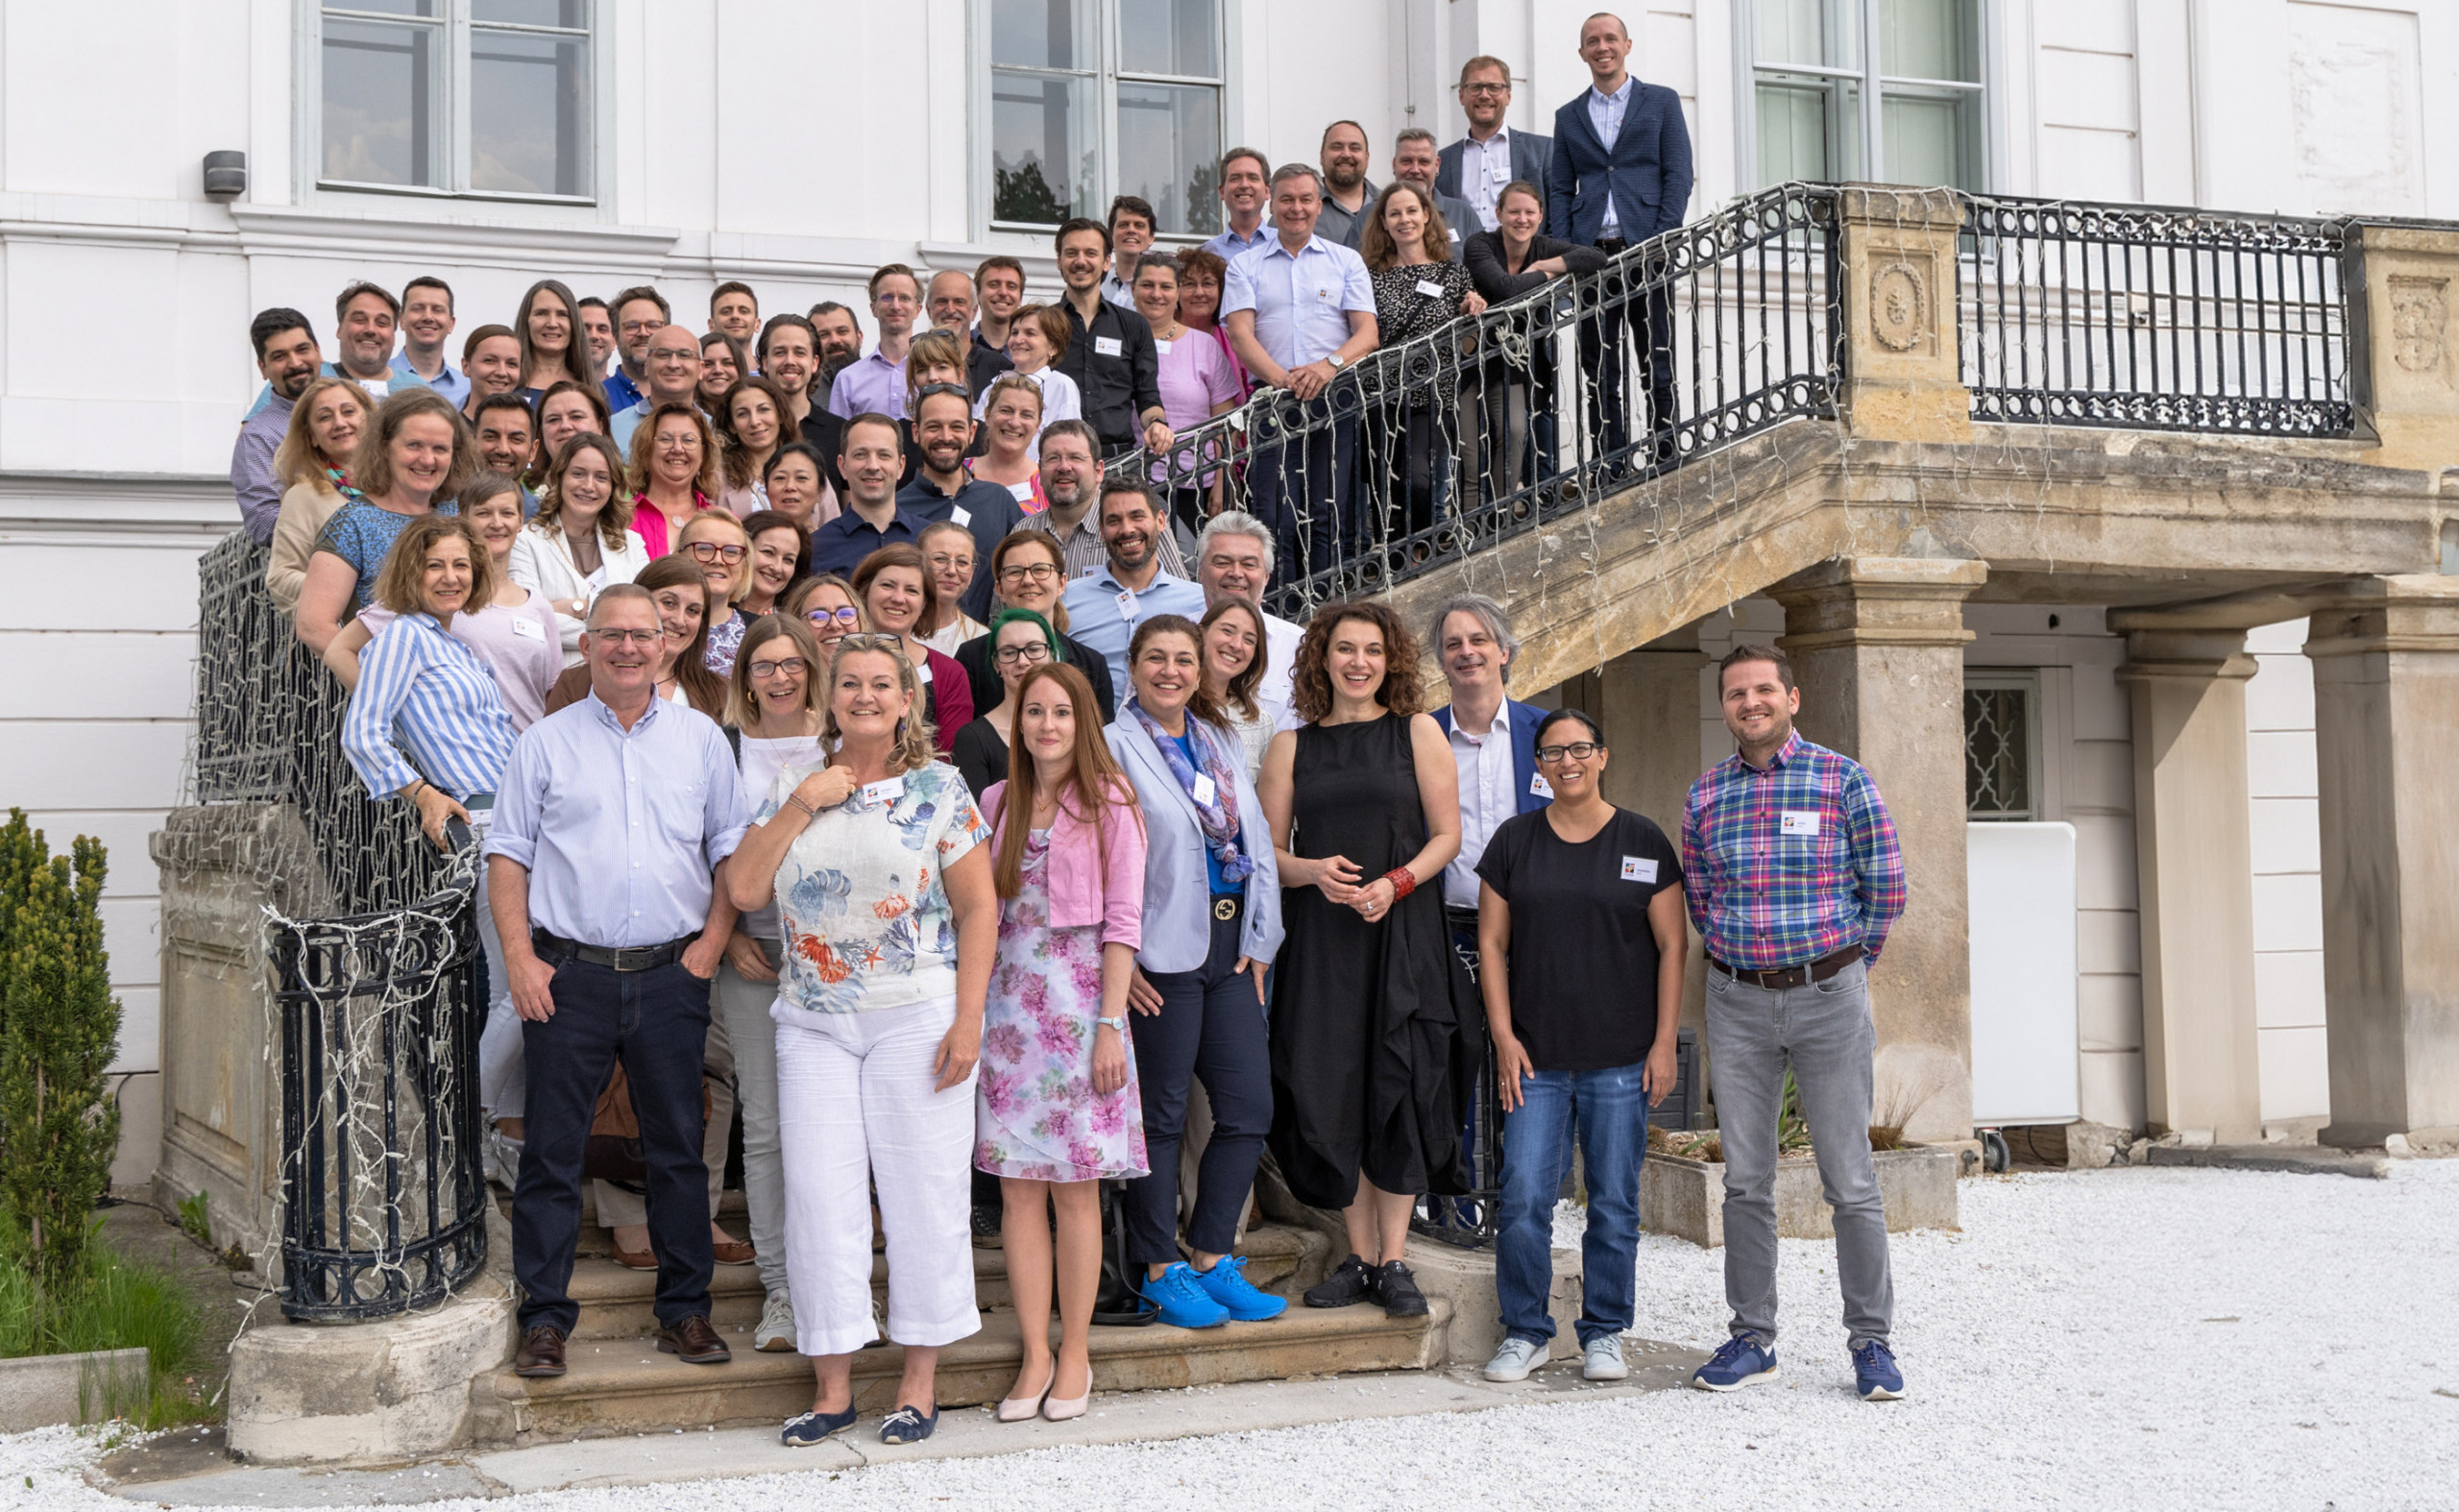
{"points": [[913, 749], [298, 461]]}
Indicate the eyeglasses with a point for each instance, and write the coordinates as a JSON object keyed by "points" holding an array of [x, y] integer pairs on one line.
{"points": [[848, 614], [1035, 571], [1485, 88], [1576, 750], [785, 663], [956, 389], [630, 636], [1030, 652], [711, 551]]}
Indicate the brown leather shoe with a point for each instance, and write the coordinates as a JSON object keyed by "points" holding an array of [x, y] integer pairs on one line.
{"points": [[635, 1260], [731, 1252], [542, 1351], [693, 1339]]}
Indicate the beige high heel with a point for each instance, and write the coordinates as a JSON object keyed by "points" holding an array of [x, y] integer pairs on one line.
{"points": [[1023, 1409], [1058, 1409]]}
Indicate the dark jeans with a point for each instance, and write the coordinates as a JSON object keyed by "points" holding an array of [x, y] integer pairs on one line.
{"points": [[1210, 1026], [1302, 488], [1617, 416], [1608, 1113], [1408, 472], [657, 1024]]}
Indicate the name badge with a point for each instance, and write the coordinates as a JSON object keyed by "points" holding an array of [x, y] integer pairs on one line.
{"points": [[922, 672], [1797, 821], [1161, 347], [1023, 492], [886, 790], [1127, 606], [1539, 786], [1107, 347], [1639, 869], [960, 515], [1429, 288], [1204, 789], [528, 629]]}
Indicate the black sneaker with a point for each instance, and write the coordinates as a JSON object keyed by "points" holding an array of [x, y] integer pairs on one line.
{"points": [[1398, 1291], [1352, 1280]]}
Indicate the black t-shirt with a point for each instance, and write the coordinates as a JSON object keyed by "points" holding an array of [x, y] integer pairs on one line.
{"points": [[1583, 959]]}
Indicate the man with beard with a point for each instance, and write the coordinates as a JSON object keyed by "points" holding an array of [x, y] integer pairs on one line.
{"points": [[1480, 166], [733, 310], [1110, 352], [1071, 479], [1414, 160], [1105, 608], [370, 318], [948, 302], [943, 490], [507, 439], [640, 312], [287, 357], [1000, 286], [1348, 192], [837, 335], [597, 335], [789, 355]]}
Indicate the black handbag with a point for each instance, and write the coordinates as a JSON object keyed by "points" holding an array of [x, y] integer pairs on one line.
{"points": [[1119, 1303]]}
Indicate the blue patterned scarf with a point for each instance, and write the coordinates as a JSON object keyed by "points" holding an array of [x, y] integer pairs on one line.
{"points": [[1220, 817]]}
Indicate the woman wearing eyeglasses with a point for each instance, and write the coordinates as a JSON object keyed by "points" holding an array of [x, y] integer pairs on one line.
{"points": [[827, 607], [1027, 571], [1021, 640], [717, 544], [1579, 903]]}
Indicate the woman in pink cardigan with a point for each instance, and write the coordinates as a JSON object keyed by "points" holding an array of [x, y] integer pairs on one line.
{"points": [[1056, 1108]]}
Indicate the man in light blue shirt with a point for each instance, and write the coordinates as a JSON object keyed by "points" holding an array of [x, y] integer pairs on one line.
{"points": [[1246, 192], [1298, 310], [615, 816], [674, 364], [1104, 607], [426, 323]]}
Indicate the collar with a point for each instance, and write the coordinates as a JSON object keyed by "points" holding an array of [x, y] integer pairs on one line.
{"points": [[1783, 758], [1500, 139], [1107, 579], [1102, 309], [1501, 721], [1277, 247], [606, 716], [1598, 96], [851, 520]]}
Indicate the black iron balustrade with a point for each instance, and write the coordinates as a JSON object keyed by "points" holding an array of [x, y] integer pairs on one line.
{"points": [[2152, 318]]}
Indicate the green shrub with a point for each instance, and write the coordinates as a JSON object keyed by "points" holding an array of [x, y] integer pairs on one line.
{"points": [[110, 1303]]}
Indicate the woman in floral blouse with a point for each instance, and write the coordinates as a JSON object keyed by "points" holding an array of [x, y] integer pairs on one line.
{"points": [[1418, 289], [889, 924], [1058, 1109]]}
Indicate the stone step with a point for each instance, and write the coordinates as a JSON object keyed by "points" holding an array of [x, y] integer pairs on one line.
{"points": [[617, 1304], [624, 1387]]}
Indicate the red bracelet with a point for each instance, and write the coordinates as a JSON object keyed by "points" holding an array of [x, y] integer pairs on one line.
{"points": [[1403, 882]]}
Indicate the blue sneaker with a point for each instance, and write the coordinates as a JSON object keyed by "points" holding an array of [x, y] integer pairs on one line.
{"points": [[1182, 1300], [1874, 1373], [1226, 1283], [1743, 1360]]}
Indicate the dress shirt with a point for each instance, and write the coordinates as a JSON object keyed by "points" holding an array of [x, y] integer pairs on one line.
{"points": [[1103, 612], [987, 510], [431, 690], [627, 420], [1276, 688], [252, 468], [1605, 114], [840, 545], [1229, 244], [452, 385], [1485, 172], [870, 386], [1487, 796], [1345, 228], [1117, 372], [1301, 301], [1084, 553], [619, 829], [1118, 291], [1060, 399], [1791, 863], [622, 393]]}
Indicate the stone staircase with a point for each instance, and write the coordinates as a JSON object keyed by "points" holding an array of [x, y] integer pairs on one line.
{"points": [[619, 1383]]}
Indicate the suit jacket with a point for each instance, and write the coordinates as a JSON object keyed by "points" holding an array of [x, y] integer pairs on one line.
{"points": [[1524, 719], [1178, 890], [1649, 171], [1530, 153]]}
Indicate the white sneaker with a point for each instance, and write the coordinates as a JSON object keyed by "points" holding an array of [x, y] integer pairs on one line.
{"points": [[501, 1154], [1517, 1357], [775, 1335], [1601, 1359]]}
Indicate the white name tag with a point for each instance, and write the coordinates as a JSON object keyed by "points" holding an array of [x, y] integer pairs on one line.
{"points": [[1023, 492], [1204, 789], [1127, 606], [377, 388], [1539, 786], [529, 629], [1797, 821], [960, 515], [1429, 288], [923, 671], [1161, 347], [1639, 869], [1107, 347], [887, 791]]}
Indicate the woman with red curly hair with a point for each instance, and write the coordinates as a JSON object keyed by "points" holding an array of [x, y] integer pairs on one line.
{"points": [[1376, 1029]]}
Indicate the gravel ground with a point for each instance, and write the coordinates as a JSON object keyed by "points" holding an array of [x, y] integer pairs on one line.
{"points": [[2155, 1338]]}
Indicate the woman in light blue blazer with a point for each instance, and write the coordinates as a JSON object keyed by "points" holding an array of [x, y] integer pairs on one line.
{"points": [[1212, 928]]}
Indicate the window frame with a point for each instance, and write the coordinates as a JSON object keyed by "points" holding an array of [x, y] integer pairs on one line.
{"points": [[453, 134], [1107, 77], [1876, 86], [2027, 681]]}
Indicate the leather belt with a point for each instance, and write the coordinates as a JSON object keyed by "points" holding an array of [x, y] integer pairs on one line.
{"points": [[630, 958], [1782, 977], [1612, 246]]}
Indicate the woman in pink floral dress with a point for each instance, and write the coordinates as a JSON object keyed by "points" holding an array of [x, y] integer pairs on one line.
{"points": [[1056, 1108]]}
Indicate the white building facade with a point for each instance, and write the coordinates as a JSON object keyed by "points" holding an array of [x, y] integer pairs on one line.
{"points": [[797, 144]]}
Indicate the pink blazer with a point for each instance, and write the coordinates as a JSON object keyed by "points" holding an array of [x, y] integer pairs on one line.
{"points": [[1092, 881]]}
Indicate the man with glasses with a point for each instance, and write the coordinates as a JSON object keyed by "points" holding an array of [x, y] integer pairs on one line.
{"points": [[1480, 166], [1104, 608], [876, 384], [943, 490], [1071, 480], [672, 360], [638, 312]]}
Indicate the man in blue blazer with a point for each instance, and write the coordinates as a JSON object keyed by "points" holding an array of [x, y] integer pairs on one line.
{"points": [[1621, 174], [1494, 742], [1480, 166]]}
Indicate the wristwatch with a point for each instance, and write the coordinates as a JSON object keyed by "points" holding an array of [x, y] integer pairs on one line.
{"points": [[1119, 1023], [1337, 361]]}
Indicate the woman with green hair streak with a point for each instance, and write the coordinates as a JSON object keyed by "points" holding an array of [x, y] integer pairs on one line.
{"points": [[1020, 640]]}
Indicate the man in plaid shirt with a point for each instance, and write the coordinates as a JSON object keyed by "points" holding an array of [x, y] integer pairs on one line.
{"points": [[1794, 878]]}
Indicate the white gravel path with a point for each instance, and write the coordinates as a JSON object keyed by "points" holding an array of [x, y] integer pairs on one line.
{"points": [[2154, 1338]]}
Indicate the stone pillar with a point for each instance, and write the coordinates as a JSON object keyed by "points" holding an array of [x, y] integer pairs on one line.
{"points": [[1898, 254], [1877, 645], [2386, 700], [1652, 725], [2400, 350], [2186, 671]]}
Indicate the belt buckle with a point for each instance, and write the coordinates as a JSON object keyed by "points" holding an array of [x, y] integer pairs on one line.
{"points": [[633, 958], [1225, 909]]}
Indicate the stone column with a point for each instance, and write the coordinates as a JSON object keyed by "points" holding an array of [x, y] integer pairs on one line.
{"points": [[1898, 253], [2386, 700], [2400, 350], [1877, 645], [2186, 671]]}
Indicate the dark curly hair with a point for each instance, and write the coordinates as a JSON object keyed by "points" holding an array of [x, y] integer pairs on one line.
{"points": [[1403, 690]]}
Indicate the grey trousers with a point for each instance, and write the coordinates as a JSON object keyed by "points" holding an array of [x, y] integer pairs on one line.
{"points": [[1823, 1031], [743, 1009]]}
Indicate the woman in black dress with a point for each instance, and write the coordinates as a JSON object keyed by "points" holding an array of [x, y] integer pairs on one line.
{"points": [[1418, 290], [1375, 1030]]}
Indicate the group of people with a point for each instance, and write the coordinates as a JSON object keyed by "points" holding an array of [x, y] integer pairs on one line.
{"points": [[858, 754]]}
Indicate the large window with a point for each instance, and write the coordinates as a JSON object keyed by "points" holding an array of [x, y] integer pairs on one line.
{"points": [[1882, 90], [1095, 98], [480, 97]]}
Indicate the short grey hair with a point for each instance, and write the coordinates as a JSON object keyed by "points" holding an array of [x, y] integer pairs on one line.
{"points": [[1296, 170], [1235, 522], [616, 593], [1414, 133], [1492, 615]]}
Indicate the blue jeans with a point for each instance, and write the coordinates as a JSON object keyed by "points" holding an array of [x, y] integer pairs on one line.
{"points": [[1609, 1112]]}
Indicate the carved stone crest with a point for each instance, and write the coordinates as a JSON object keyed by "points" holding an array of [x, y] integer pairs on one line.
{"points": [[2420, 310], [1899, 306]]}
